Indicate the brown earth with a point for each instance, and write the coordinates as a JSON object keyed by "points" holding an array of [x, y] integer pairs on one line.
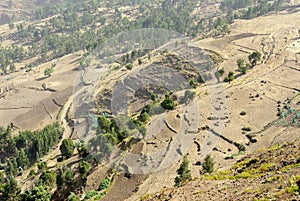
{"points": [[268, 174]]}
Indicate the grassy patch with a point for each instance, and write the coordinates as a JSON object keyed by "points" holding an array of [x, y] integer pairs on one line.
{"points": [[266, 167], [241, 164], [274, 178], [288, 167], [144, 197]]}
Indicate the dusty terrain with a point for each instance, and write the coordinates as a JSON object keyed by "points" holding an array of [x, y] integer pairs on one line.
{"points": [[29, 100], [20, 10], [259, 93], [265, 174]]}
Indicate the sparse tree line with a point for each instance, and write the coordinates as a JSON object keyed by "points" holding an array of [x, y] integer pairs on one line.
{"points": [[79, 21], [243, 67], [247, 9], [184, 173]]}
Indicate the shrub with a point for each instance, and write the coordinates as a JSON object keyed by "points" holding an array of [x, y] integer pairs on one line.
{"points": [[129, 67], [48, 71], [144, 117], [31, 173], [90, 194], [42, 165], [168, 103], [200, 79], [226, 79], [73, 197], [246, 129], [104, 184], [221, 72], [243, 113]]}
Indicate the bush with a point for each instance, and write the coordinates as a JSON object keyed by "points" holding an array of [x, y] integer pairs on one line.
{"points": [[226, 79], [144, 117], [48, 71], [221, 72], [90, 194], [73, 197], [31, 173], [129, 67], [243, 113], [104, 184], [246, 129], [42, 165], [168, 103], [200, 79]]}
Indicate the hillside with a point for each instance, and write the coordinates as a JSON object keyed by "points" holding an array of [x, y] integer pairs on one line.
{"points": [[15, 10], [267, 174], [104, 99]]}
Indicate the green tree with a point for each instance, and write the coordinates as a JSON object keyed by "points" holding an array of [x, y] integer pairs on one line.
{"points": [[254, 58], [144, 117], [240, 63], [2, 179], [11, 169], [38, 193], [65, 176], [73, 197], [48, 71], [11, 190], [12, 67], [153, 97], [104, 184], [230, 77], [67, 148], [22, 159], [168, 103], [42, 165], [129, 66], [48, 178], [221, 71], [82, 149], [84, 168], [11, 25], [140, 61], [207, 165], [184, 173], [104, 123]]}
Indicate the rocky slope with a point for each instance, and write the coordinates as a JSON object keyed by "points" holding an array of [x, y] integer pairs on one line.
{"points": [[268, 174]]}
